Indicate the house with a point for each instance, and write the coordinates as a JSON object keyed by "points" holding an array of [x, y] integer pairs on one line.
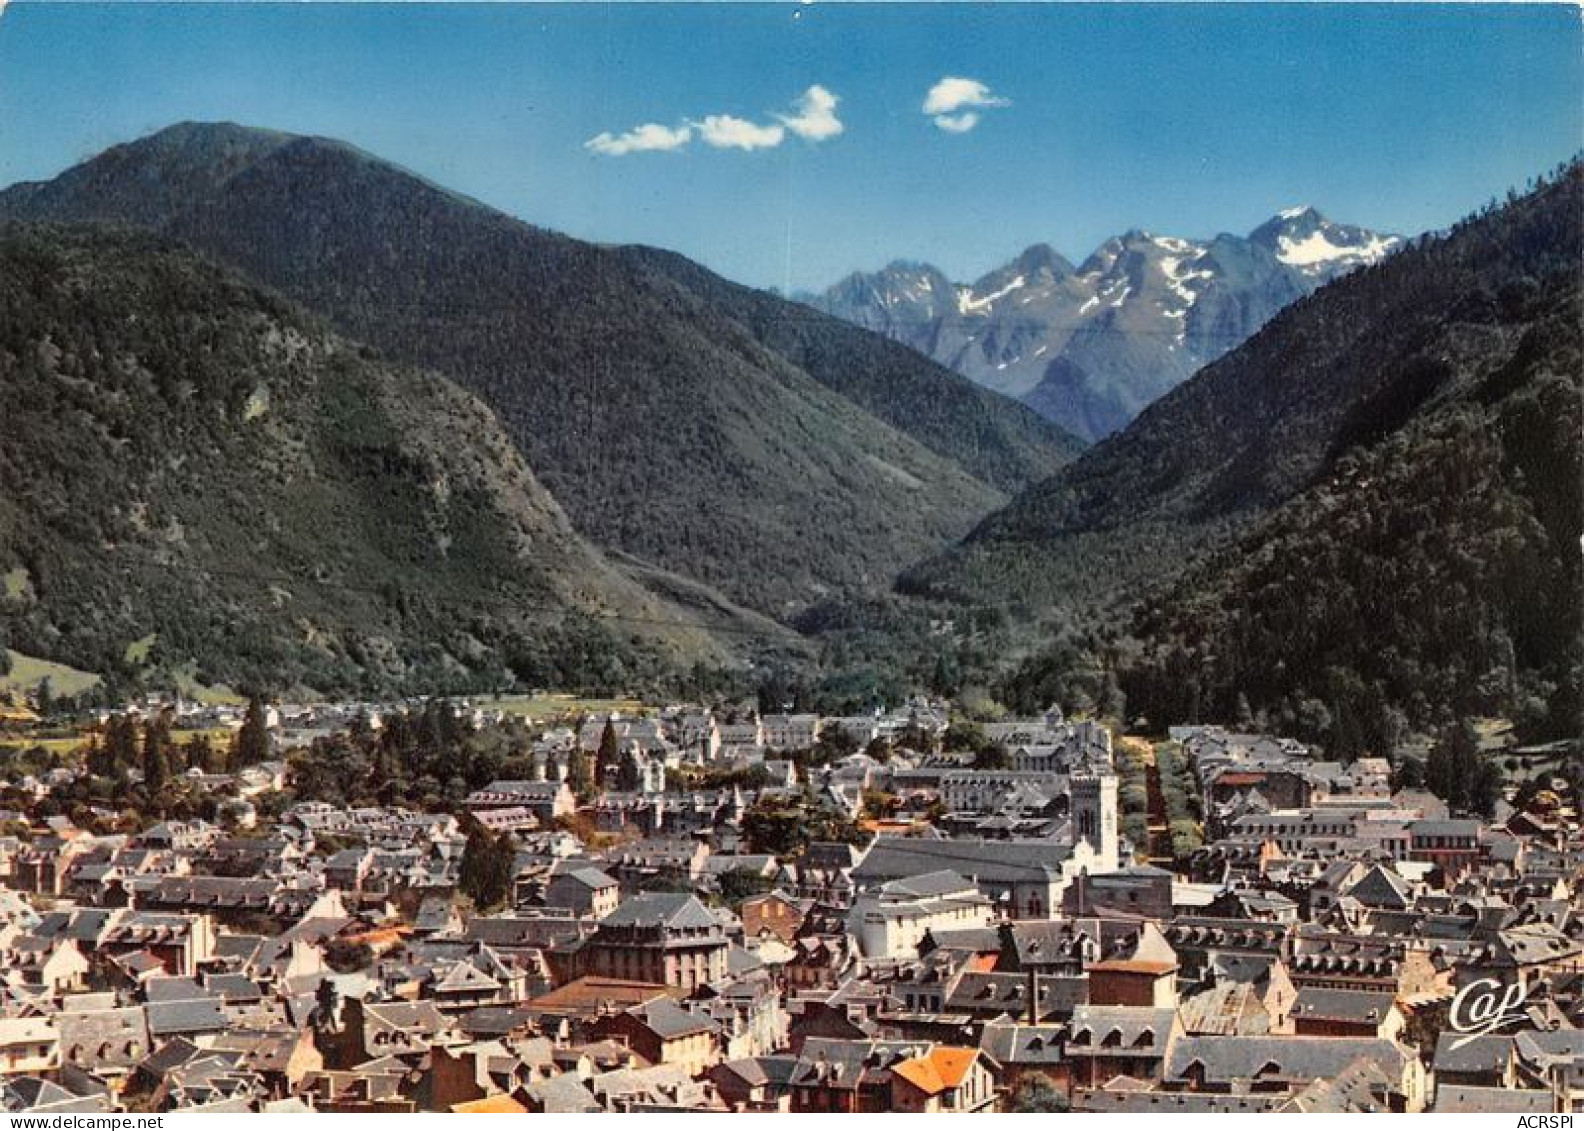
{"points": [[1026, 878], [1139, 889], [177, 942], [1466, 1099], [1143, 972], [108, 1041], [581, 889], [546, 800], [1031, 996], [1346, 1013], [1454, 846], [755, 1084], [29, 1046], [790, 732], [944, 1079], [848, 1076], [1288, 1064], [891, 919], [1480, 1061], [775, 914], [679, 859], [573, 1009], [50, 967], [663, 1032], [658, 937], [1021, 1050], [1106, 1041], [484, 1074]]}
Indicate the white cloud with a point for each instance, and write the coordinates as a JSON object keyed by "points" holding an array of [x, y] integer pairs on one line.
{"points": [[815, 118], [957, 123], [953, 103], [726, 132], [649, 138], [812, 118]]}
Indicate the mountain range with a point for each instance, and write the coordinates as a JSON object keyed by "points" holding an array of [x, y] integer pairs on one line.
{"points": [[281, 413], [1090, 346], [1366, 517], [688, 425]]}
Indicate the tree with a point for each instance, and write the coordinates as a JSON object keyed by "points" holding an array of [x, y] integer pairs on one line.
{"points": [[992, 756], [609, 753], [946, 679], [488, 867], [963, 735], [775, 830], [1458, 774], [1409, 773], [915, 737], [1485, 789], [736, 886], [44, 697], [629, 774], [346, 957], [578, 776], [121, 743], [833, 744], [1243, 714], [253, 740], [156, 753], [1112, 703], [1037, 1092], [97, 759], [201, 754]]}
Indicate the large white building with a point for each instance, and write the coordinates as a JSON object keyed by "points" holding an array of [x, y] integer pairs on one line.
{"points": [[888, 921]]}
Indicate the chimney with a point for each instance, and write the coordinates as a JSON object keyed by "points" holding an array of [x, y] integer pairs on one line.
{"points": [[1033, 996]]}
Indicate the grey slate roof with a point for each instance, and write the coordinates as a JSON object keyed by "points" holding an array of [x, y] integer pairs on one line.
{"points": [[1353, 1006], [668, 1021], [1009, 1043], [676, 910], [168, 1018], [997, 861], [1471, 1099], [1292, 1058]]}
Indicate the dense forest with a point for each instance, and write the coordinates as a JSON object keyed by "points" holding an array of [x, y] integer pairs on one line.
{"points": [[1362, 523], [197, 478]]}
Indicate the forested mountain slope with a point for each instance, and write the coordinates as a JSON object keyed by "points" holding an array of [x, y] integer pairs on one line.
{"points": [[751, 444], [190, 465], [1372, 509]]}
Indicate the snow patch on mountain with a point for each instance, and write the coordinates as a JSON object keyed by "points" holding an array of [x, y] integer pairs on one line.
{"points": [[1137, 317], [1317, 248], [968, 304]]}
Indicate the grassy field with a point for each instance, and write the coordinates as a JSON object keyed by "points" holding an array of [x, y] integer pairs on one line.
{"points": [[14, 583], [186, 679], [67, 745], [138, 651], [539, 707]]}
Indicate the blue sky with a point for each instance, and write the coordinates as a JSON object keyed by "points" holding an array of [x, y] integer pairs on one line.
{"points": [[1186, 119]]}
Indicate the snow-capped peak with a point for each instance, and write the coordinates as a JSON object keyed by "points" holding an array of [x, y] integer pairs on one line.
{"points": [[1308, 242]]}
